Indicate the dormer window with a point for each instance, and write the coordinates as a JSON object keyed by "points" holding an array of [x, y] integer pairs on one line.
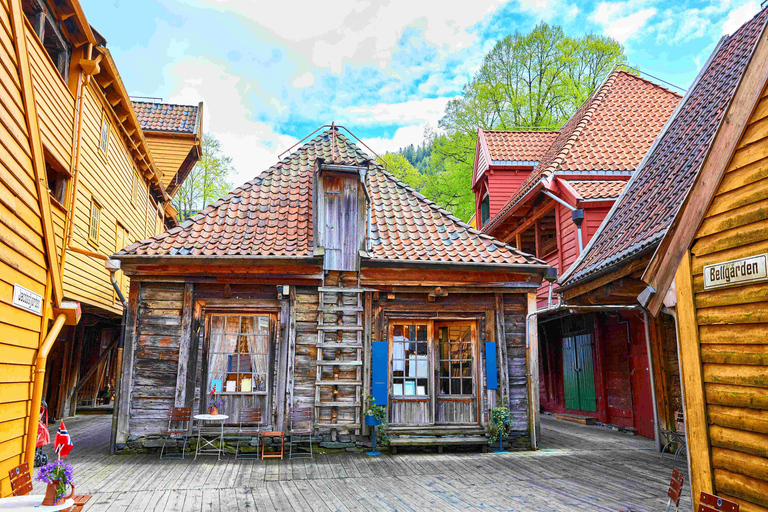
{"points": [[48, 30], [485, 209]]}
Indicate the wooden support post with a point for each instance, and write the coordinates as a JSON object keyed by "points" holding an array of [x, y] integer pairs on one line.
{"points": [[282, 363], [533, 367], [501, 350], [291, 348], [123, 401], [194, 350], [368, 323], [490, 335], [185, 341], [601, 383], [692, 381]]}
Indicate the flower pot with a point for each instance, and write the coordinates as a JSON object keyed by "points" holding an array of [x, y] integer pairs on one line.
{"points": [[50, 495], [371, 421], [213, 410]]}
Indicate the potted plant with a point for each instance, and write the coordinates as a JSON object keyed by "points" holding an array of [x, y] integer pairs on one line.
{"points": [[57, 475], [500, 425], [376, 416], [213, 403]]}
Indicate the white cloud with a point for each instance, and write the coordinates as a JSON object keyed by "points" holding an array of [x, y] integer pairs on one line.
{"points": [[740, 15], [303, 80], [253, 145], [549, 9], [427, 110], [351, 32], [402, 138], [623, 20]]}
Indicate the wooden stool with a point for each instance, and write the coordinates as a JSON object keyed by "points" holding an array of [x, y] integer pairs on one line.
{"points": [[275, 434]]}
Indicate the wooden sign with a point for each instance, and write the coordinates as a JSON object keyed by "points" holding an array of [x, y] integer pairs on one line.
{"points": [[27, 300], [736, 272]]}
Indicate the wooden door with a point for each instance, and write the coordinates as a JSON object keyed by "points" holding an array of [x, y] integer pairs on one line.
{"points": [[570, 374], [341, 212], [456, 373], [410, 369], [641, 393], [578, 373]]}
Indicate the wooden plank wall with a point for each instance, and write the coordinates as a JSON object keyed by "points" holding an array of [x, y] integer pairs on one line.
{"points": [[156, 355], [169, 151], [515, 309], [306, 346], [22, 257], [733, 323]]}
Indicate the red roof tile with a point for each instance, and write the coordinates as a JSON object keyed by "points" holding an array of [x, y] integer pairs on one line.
{"points": [[598, 189], [271, 215], [612, 131], [165, 117], [520, 146], [653, 196]]}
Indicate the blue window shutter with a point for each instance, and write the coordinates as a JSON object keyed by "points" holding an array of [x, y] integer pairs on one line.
{"points": [[490, 364], [379, 367]]}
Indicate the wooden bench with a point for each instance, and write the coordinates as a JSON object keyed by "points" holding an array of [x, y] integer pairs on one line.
{"points": [[439, 442]]}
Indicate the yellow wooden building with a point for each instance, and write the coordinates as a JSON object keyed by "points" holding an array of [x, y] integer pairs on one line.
{"points": [[691, 229], [79, 179]]}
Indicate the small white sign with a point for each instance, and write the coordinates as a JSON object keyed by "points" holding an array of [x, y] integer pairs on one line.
{"points": [[735, 272], [27, 300]]}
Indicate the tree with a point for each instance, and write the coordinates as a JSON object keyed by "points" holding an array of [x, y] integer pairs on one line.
{"points": [[399, 166], [529, 80], [206, 182]]}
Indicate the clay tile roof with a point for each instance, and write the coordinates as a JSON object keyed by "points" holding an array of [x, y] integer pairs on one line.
{"points": [[519, 146], [598, 189], [646, 209], [166, 117], [611, 131], [271, 215]]}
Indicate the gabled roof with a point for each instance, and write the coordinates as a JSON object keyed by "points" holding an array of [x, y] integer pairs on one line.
{"points": [[523, 148], [649, 204], [597, 189], [611, 131], [271, 216], [167, 117]]}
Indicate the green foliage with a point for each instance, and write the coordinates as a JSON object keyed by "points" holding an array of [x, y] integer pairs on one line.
{"points": [[501, 422], [529, 80], [380, 413], [401, 168], [207, 182]]}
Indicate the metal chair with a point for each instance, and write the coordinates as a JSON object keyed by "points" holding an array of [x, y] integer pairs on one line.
{"points": [[250, 426], [179, 421], [301, 427], [711, 503], [675, 437], [675, 489], [21, 485]]}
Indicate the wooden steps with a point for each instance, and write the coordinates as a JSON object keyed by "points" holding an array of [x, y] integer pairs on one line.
{"points": [[439, 442], [338, 345], [352, 328], [339, 383], [575, 418]]}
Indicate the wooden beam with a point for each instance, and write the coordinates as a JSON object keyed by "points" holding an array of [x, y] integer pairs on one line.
{"points": [[533, 368], [661, 269], [36, 148], [605, 279], [123, 401], [531, 221], [501, 350], [185, 341], [691, 379]]}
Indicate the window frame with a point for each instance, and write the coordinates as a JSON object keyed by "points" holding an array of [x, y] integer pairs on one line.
{"points": [[135, 188], [65, 175], [485, 201], [104, 137], [94, 240]]}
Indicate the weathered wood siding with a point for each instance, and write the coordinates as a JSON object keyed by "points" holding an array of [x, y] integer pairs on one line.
{"points": [[515, 309], [169, 152], [306, 346], [733, 323], [156, 355]]}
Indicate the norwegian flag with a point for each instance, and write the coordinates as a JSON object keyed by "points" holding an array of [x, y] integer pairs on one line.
{"points": [[63, 443]]}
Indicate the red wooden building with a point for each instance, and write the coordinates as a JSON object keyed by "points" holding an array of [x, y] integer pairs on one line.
{"points": [[550, 202]]}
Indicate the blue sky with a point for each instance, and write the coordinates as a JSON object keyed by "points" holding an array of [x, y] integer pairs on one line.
{"points": [[269, 73]]}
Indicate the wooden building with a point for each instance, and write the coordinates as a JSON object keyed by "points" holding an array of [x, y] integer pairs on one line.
{"points": [[77, 183], [687, 239], [547, 194], [319, 277]]}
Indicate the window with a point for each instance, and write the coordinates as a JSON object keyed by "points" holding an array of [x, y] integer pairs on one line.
{"points": [[57, 180], [49, 31], [455, 361], [238, 360], [104, 138], [135, 188], [485, 210], [93, 228], [410, 360]]}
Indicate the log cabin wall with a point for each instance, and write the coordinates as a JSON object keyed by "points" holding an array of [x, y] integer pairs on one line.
{"points": [[723, 337]]}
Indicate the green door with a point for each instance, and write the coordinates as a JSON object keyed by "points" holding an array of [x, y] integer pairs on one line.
{"points": [[578, 373], [570, 374]]}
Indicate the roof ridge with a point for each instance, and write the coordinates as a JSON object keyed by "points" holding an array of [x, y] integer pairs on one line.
{"points": [[164, 103], [650, 82]]}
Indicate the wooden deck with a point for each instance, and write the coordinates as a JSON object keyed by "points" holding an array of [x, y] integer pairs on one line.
{"points": [[579, 468]]}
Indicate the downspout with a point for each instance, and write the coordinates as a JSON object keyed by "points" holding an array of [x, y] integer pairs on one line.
{"points": [[577, 214], [656, 437], [37, 390], [113, 266]]}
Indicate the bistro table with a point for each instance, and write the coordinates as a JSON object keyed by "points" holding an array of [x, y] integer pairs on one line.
{"points": [[32, 504], [206, 429]]}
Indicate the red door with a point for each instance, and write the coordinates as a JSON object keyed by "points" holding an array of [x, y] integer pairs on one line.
{"points": [[641, 392]]}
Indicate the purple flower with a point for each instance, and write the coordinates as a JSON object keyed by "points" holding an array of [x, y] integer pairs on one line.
{"points": [[58, 472]]}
